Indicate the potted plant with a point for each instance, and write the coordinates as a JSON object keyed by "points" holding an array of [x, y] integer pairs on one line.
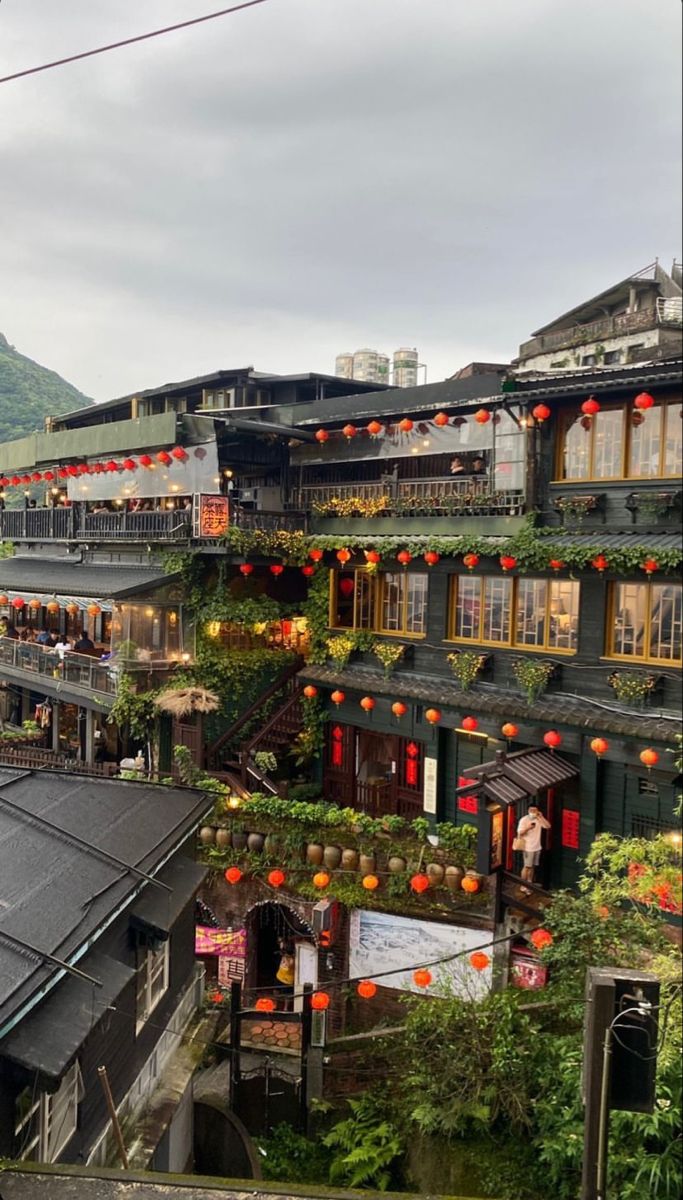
{"points": [[466, 665], [532, 675]]}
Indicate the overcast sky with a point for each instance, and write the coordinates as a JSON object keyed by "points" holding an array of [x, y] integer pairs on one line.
{"points": [[312, 176]]}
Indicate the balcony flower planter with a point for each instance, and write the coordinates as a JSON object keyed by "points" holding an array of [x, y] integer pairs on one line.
{"points": [[635, 688], [653, 504], [577, 507], [532, 676]]}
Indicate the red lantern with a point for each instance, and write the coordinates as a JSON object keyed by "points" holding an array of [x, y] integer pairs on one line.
{"points": [[233, 875], [431, 558], [246, 569], [404, 557], [419, 883], [315, 555], [349, 432], [308, 572], [469, 724], [265, 1004], [374, 428], [215, 997], [399, 709], [482, 416], [590, 407], [71, 470], [372, 556], [276, 878], [370, 883], [649, 758], [98, 468], [18, 603], [441, 419], [433, 715], [4, 481], [479, 960], [552, 739], [145, 460], [36, 477], [649, 566], [507, 562], [179, 454], [322, 436], [48, 476], [343, 556], [366, 989], [643, 401], [321, 879], [346, 586], [310, 692], [367, 703], [338, 698], [320, 1001], [470, 884], [599, 746], [405, 425], [541, 938], [15, 480], [276, 569], [471, 561], [541, 413], [83, 469], [129, 464], [111, 466], [164, 457], [556, 564], [600, 563], [422, 977], [509, 730]]}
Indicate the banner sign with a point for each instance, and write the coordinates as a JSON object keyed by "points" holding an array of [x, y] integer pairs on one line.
{"points": [[230, 943]]}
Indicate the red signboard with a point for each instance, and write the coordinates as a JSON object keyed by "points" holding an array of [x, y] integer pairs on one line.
{"points": [[570, 829], [468, 804], [213, 516], [526, 971]]}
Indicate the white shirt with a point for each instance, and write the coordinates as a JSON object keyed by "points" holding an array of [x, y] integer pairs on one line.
{"points": [[61, 649], [530, 828]]}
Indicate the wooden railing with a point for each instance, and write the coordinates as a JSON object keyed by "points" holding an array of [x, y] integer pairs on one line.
{"points": [[278, 732], [76, 525], [439, 496], [284, 685], [292, 521], [78, 669], [604, 327], [34, 758]]}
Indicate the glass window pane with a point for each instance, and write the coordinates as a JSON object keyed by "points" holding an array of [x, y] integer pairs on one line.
{"points": [[563, 627], [342, 599], [607, 437], [497, 597], [468, 607], [673, 458], [577, 448], [392, 601], [630, 615], [530, 614], [645, 443], [665, 622], [416, 616], [365, 590]]}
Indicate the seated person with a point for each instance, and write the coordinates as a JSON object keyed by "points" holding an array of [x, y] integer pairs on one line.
{"points": [[43, 638], [458, 467], [478, 467], [84, 644]]}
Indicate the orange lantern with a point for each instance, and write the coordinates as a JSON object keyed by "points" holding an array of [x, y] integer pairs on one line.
{"points": [[367, 989], [419, 883], [541, 938], [315, 555], [479, 960], [470, 884], [540, 413], [338, 697], [643, 401], [471, 561], [441, 419], [405, 425], [590, 407], [322, 436], [374, 428], [52, 606], [649, 566], [399, 709], [246, 569], [94, 610], [649, 758], [4, 600], [507, 562], [72, 609], [599, 746], [509, 730], [276, 878], [349, 432], [469, 724], [552, 739], [482, 416], [422, 977], [343, 556], [370, 883], [433, 715], [310, 692], [320, 1001], [600, 563], [367, 703], [431, 558], [321, 879], [35, 604], [404, 557], [233, 875], [265, 1004], [372, 556]]}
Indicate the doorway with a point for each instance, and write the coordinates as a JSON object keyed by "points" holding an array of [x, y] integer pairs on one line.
{"points": [[274, 929], [376, 758]]}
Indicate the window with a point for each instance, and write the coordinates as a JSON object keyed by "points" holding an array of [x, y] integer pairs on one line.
{"points": [[546, 611], [622, 443], [152, 981], [45, 1122], [392, 602], [645, 623]]}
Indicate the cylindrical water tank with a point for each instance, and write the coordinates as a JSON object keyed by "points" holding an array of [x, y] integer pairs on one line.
{"points": [[405, 366]]}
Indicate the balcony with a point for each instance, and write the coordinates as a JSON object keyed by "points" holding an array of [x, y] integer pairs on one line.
{"points": [[78, 672], [667, 312], [76, 525]]}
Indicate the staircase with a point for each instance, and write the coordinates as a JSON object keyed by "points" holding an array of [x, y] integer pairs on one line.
{"points": [[276, 734]]}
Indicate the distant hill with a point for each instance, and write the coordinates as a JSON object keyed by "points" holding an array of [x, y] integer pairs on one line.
{"points": [[29, 393]]}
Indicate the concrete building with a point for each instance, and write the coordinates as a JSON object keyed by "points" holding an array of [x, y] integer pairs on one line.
{"points": [[371, 366]]}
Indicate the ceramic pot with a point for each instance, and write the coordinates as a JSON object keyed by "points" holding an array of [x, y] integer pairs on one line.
{"points": [[315, 853], [454, 878], [239, 840], [223, 839], [367, 864], [207, 835], [436, 873], [396, 864], [349, 859], [332, 857], [272, 844], [255, 842]]}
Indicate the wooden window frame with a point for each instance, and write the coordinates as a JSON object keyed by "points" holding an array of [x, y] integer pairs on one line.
{"points": [[403, 631], [661, 408], [40, 1113], [636, 659], [153, 998], [510, 643], [375, 585]]}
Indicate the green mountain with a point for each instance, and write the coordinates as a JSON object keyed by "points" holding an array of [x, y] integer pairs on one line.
{"points": [[29, 393]]}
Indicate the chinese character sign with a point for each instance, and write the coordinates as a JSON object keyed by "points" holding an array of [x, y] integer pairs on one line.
{"points": [[213, 516]]}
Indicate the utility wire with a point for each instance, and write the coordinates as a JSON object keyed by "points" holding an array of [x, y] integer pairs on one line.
{"points": [[141, 37]]}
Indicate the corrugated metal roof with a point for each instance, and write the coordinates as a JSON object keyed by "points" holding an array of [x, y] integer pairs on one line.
{"points": [[535, 770], [503, 791], [42, 577]]}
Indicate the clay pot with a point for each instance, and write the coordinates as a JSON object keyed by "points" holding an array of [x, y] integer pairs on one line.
{"points": [[367, 864], [396, 864], [223, 839], [255, 842], [332, 857], [239, 840], [349, 859], [272, 844], [454, 878], [436, 873], [207, 835], [315, 853]]}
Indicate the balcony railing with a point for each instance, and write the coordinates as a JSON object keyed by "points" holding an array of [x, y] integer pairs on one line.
{"points": [[80, 670], [667, 312], [75, 525], [439, 497]]}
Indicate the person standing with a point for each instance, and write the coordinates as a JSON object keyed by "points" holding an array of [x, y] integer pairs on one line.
{"points": [[530, 830]]}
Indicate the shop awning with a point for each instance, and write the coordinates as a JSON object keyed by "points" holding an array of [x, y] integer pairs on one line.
{"points": [[158, 909], [522, 775], [80, 582], [47, 1040]]}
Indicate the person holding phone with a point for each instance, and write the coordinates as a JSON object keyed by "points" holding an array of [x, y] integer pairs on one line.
{"points": [[530, 830]]}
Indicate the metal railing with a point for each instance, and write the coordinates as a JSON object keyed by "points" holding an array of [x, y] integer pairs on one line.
{"points": [[75, 525], [438, 496], [78, 669]]}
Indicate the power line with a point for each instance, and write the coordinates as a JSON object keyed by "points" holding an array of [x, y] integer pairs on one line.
{"points": [[141, 37]]}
